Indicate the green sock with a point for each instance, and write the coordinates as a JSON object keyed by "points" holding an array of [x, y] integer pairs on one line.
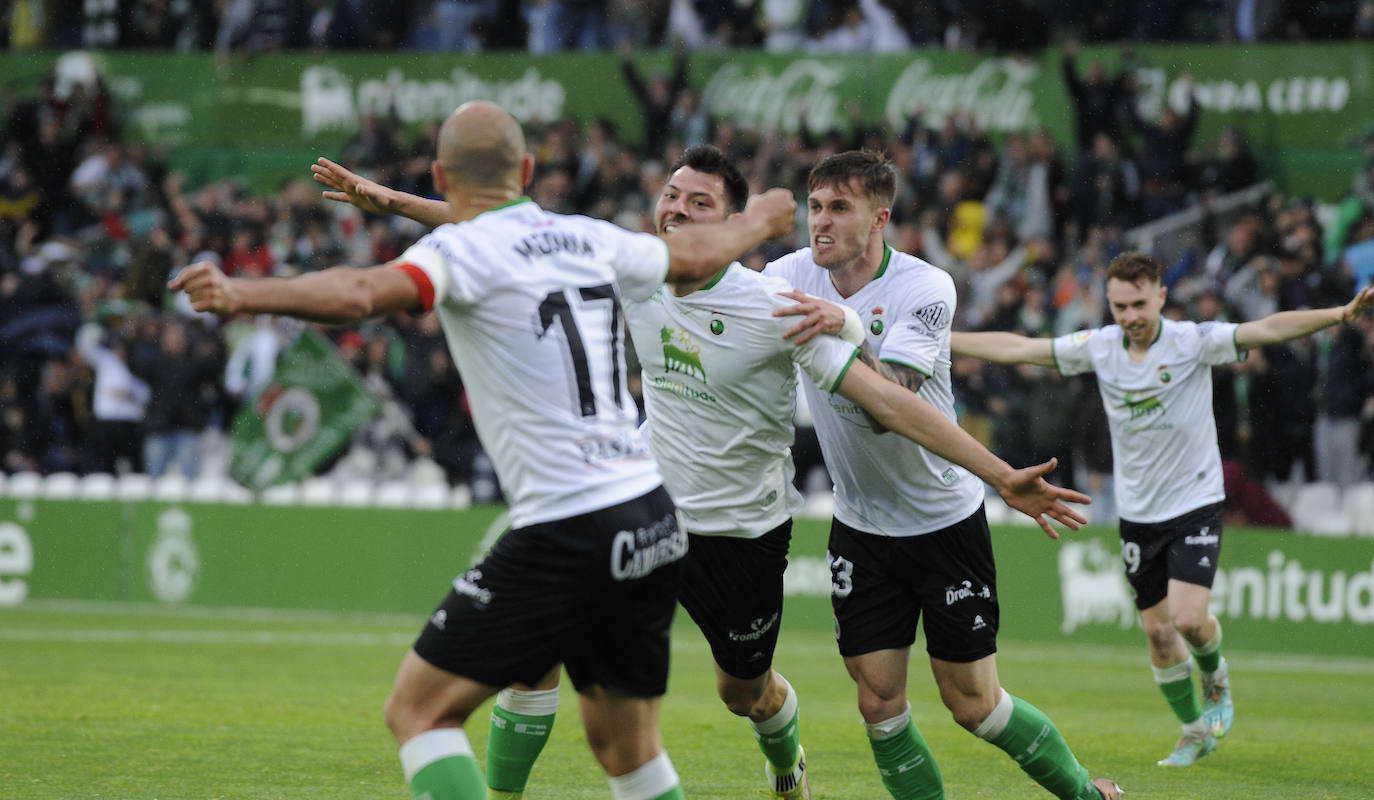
{"points": [[1176, 682], [439, 765], [904, 760], [1208, 656], [1036, 745], [779, 736], [520, 725]]}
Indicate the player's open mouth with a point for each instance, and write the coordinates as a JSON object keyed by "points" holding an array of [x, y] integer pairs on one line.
{"points": [[669, 227], [824, 241]]}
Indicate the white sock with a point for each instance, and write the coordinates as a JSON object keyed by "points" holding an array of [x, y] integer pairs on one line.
{"points": [[889, 727], [785, 714], [424, 749], [647, 782], [529, 702], [996, 722]]}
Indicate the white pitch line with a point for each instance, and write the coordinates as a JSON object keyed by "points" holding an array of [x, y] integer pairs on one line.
{"points": [[206, 637]]}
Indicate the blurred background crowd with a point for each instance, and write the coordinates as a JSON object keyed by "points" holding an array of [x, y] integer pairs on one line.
{"points": [[246, 26], [102, 371]]}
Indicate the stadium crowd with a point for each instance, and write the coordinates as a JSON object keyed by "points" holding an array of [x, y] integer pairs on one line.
{"points": [[99, 371], [237, 27]]}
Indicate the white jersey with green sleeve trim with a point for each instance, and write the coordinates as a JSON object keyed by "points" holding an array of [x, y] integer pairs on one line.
{"points": [[886, 484], [720, 390], [529, 304], [1164, 436]]}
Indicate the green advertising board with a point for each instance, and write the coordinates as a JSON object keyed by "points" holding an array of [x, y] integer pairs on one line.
{"points": [[1304, 106], [1275, 591]]}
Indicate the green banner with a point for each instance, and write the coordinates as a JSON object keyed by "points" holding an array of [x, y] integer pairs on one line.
{"points": [[1303, 106], [1275, 591], [303, 417]]}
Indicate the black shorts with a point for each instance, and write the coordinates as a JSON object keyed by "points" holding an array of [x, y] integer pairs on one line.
{"points": [[880, 585], [1185, 548], [596, 592], [732, 588]]}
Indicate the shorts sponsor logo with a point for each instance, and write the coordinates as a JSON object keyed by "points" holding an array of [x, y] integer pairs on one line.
{"points": [[439, 619], [757, 629], [469, 585], [1204, 562], [978, 623], [1203, 536], [965, 590], [635, 554]]}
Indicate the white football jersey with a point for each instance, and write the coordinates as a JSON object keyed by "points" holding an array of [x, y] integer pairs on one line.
{"points": [[1165, 458], [720, 389], [886, 484], [529, 303]]}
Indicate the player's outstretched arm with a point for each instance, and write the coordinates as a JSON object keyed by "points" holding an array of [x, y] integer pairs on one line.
{"points": [[703, 249], [1004, 348], [900, 410], [337, 295], [1287, 325], [345, 186]]}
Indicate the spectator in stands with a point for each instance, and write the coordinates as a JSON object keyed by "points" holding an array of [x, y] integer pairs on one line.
{"points": [[1097, 99], [656, 97], [1163, 154], [183, 379], [119, 399], [1232, 168], [1020, 194], [1347, 402]]}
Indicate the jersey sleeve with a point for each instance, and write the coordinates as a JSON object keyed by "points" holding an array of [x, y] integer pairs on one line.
{"points": [[920, 323], [1073, 352], [439, 271], [1216, 343], [640, 260], [825, 359]]}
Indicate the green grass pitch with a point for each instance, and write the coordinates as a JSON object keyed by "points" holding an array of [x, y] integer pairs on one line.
{"points": [[126, 703]]}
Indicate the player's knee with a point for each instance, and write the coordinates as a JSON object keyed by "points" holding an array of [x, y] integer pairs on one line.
{"points": [[407, 719], [1190, 622], [874, 707], [970, 712], [741, 698]]}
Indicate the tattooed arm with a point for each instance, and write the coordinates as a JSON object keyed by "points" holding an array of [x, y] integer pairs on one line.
{"points": [[900, 374]]}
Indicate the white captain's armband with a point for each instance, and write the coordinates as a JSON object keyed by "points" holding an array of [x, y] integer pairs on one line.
{"points": [[853, 330]]}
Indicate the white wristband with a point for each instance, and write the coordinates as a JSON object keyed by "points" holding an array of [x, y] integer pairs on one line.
{"points": [[853, 330]]}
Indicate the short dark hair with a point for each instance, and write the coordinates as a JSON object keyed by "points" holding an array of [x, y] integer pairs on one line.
{"points": [[1136, 267], [874, 171], [710, 160]]}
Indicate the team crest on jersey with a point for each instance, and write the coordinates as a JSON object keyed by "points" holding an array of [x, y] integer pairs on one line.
{"points": [[1164, 376], [875, 326], [934, 316], [717, 326], [681, 354]]}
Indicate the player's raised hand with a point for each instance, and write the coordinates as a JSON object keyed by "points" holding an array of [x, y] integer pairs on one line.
{"points": [[1359, 304], [777, 207], [208, 288], [817, 316], [346, 186], [1027, 491]]}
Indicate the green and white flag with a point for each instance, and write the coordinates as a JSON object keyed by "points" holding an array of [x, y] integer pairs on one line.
{"points": [[303, 417]]}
